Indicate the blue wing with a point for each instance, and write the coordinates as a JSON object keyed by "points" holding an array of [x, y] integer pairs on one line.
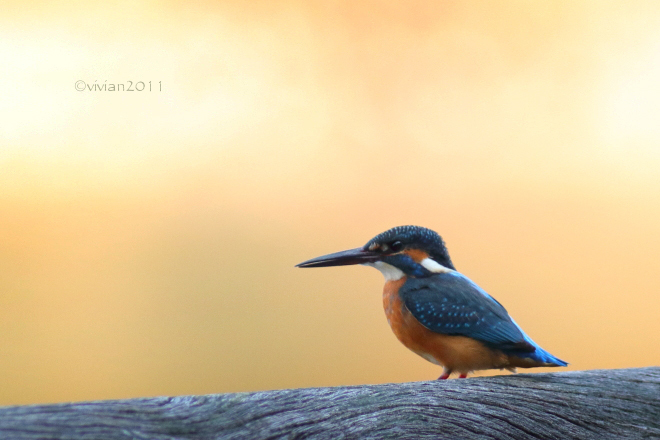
{"points": [[451, 304]]}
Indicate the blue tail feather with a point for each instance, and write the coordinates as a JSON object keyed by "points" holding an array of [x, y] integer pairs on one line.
{"points": [[539, 354], [543, 356]]}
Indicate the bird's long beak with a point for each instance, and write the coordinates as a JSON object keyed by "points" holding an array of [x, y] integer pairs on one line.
{"points": [[343, 258]]}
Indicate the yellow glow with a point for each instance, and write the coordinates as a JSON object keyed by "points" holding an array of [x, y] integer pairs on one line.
{"points": [[148, 239]]}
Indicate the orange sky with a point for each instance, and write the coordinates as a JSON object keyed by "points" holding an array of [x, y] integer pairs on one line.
{"points": [[148, 238]]}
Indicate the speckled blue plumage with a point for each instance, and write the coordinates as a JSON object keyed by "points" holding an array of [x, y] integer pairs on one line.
{"points": [[451, 304], [421, 238]]}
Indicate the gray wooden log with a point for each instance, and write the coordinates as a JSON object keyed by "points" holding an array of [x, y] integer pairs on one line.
{"points": [[598, 404]]}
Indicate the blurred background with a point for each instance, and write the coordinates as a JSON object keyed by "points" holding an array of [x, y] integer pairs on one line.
{"points": [[148, 238]]}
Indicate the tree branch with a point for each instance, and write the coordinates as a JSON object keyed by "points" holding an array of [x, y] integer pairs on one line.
{"points": [[598, 404]]}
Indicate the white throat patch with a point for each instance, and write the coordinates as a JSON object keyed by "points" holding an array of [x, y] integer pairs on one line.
{"points": [[390, 272], [434, 266]]}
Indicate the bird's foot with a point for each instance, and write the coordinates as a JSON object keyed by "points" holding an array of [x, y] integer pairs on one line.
{"points": [[445, 374], [462, 376]]}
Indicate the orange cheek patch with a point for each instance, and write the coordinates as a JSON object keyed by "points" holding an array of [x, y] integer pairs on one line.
{"points": [[417, 255]]}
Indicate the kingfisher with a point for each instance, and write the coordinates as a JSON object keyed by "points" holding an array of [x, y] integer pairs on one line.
{"points": [[437, 312]]}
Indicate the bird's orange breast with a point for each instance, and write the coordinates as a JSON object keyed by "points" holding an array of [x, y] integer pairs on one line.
{"points": [[457, 353]]}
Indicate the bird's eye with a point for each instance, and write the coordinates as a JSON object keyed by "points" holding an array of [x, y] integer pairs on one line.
{"points": [[396, 246]]}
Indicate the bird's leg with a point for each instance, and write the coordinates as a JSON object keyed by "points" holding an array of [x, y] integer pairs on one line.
{"points": [[462, 376], [445, 374]]}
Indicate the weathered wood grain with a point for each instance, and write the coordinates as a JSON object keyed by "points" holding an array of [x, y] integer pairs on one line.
{"points": [[599, 404]]}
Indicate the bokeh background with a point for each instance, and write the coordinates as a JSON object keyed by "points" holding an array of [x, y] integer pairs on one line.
{"points": [[148, 239]]}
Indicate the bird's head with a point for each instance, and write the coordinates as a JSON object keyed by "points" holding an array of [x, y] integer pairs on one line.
{"points": [[404, 250]]}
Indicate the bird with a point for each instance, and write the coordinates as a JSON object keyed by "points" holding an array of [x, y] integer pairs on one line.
{"points": [[436, 311]]}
